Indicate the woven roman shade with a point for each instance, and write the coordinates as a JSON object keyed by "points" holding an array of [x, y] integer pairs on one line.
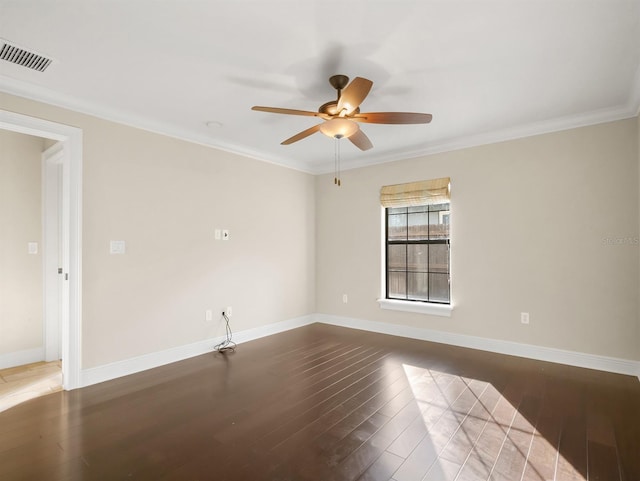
{"points": [[425, 192]]}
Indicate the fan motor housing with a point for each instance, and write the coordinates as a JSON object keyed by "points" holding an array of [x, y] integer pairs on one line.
{"points": [[331, 108], [338, 82]]}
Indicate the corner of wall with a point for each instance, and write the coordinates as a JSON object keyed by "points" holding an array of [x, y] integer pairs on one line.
{"points": [[638, 191]]}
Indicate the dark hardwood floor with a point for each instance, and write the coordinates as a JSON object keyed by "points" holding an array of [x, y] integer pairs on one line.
{"points": [[327, 403]]}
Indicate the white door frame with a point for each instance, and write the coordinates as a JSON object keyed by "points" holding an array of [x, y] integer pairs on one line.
{"points": [[54, 295], [70, 139]]}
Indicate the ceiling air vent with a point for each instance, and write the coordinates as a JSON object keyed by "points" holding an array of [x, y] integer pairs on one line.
{"points": [[23, 57]]}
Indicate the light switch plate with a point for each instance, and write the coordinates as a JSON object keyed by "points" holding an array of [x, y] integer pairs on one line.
{"points": [[117, 247], [32, 247], [217, 234]]}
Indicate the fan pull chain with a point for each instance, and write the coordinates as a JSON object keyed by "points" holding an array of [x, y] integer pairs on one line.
{"points": [[336, 162]]}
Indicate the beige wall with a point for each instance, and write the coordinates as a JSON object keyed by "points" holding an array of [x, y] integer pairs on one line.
{"points": [[535, 225], [20, 223], [165, 197], [543, 225]]}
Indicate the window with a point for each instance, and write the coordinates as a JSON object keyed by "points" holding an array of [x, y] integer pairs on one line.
{"points": [[417, 246], [418, 253]]}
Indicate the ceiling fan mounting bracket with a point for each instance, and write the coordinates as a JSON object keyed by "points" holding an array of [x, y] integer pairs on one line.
{"points": [[338, 82]]}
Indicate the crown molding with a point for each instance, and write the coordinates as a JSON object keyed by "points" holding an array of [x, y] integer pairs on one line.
{"points": [[42, 94], [517, 132]]}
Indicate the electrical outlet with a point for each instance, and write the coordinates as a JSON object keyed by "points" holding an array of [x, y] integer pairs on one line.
{"points": [[208, 315], [228, 311], [345, 298], [524, 317], [225, 234]]}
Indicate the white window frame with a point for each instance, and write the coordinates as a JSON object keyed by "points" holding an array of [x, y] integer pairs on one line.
{"points": [[431, 308]]}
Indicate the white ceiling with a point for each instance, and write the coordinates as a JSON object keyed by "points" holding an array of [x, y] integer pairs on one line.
{"points": [[486, 70]]}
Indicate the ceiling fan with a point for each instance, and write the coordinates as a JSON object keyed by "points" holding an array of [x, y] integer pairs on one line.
{"points": [[341, 116]]}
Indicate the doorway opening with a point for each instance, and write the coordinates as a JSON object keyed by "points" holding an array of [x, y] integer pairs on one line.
{"points": [[62, 167]]}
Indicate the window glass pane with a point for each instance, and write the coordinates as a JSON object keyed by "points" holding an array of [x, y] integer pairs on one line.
{"points": [[418, 208], [437, 228], [437, 207], [418, 228], [397, 285], [418, 288], [397, 257], [439, 258], [439, 287], [397, 227], [417, 254], [417, 257], [397, 210]]}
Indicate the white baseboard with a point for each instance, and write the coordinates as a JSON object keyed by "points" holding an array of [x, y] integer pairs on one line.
{"points": [[155, 359], [19, 358], [571, 358], [148, 361]]}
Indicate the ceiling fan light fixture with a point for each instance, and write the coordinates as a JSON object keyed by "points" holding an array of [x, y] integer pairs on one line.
{"points": [[339, 128], [342, 116]]}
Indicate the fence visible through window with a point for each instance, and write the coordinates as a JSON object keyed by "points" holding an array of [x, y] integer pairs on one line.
{"points": [[418, 248]]}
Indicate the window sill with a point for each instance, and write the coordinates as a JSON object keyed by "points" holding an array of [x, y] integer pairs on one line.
{"points": [[443, 310]]}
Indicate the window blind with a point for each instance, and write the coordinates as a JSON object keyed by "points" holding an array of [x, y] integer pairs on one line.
{"points": [[425, 192]]}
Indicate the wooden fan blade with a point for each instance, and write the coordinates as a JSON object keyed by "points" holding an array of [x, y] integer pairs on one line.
{"points": [[353, 94], [301, 135], [360, 140], [392, 118], [277, 110]]}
